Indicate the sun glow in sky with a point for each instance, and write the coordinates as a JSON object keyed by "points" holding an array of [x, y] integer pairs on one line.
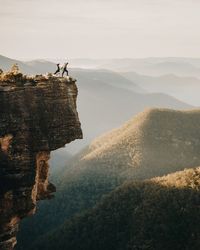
{"points": [[99, 28]]}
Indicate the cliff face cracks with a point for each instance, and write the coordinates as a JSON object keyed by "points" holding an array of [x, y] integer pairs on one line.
{"points": [[35, 118]]}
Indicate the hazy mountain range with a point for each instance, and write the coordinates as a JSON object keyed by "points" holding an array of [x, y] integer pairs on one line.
{"points": [[147, 66], [106, 99], [184, 88], [31, 67], [179, 66]]}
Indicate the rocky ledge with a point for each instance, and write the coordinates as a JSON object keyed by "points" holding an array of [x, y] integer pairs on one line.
{"points": [[37, 115]]}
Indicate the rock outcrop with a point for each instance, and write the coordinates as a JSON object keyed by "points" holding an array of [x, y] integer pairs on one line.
{"points": [[37, 116]]}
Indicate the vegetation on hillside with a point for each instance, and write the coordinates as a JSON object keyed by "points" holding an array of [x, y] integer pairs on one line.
{"points": [[162, 213], [154, 143]]}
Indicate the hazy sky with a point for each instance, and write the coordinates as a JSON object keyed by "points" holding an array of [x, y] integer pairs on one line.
{"points": [[99, 28]]}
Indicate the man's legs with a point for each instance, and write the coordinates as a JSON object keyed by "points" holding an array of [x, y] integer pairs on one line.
{"points": [[65, 70], [57, 71]]}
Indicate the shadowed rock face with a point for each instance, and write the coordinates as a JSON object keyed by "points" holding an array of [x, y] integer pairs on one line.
{"points": [[34, 120]]}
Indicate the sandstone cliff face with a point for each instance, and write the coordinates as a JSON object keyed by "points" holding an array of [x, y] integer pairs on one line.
{"points": [[35, 118]]}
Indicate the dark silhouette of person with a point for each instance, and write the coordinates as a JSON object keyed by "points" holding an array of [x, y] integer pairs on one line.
{"points": [[58, 69], [65, 70]]}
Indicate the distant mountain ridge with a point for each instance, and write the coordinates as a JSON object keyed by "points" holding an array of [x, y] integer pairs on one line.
{"points": [[184, 88], [6, 63], [179, 66], [31, 67], [103, 95], [149, 66]]}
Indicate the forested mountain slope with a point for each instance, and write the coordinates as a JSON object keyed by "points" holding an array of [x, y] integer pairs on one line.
{"points": [[161, 213], [156, 142]]}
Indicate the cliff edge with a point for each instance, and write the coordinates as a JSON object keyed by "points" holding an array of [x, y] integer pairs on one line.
{"points": [[37, 115]]}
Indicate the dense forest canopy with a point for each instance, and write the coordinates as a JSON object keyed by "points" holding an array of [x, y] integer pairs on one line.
{"points": [[162, 213]]}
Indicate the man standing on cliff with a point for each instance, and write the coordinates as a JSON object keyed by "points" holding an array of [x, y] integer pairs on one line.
{"points": [[65, 69], [58, 69]]}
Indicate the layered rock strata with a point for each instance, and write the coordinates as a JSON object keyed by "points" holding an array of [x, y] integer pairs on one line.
{"points": [[36, 117]]}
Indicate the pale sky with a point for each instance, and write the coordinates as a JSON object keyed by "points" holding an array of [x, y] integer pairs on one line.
{"points": [[99, 28]]}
